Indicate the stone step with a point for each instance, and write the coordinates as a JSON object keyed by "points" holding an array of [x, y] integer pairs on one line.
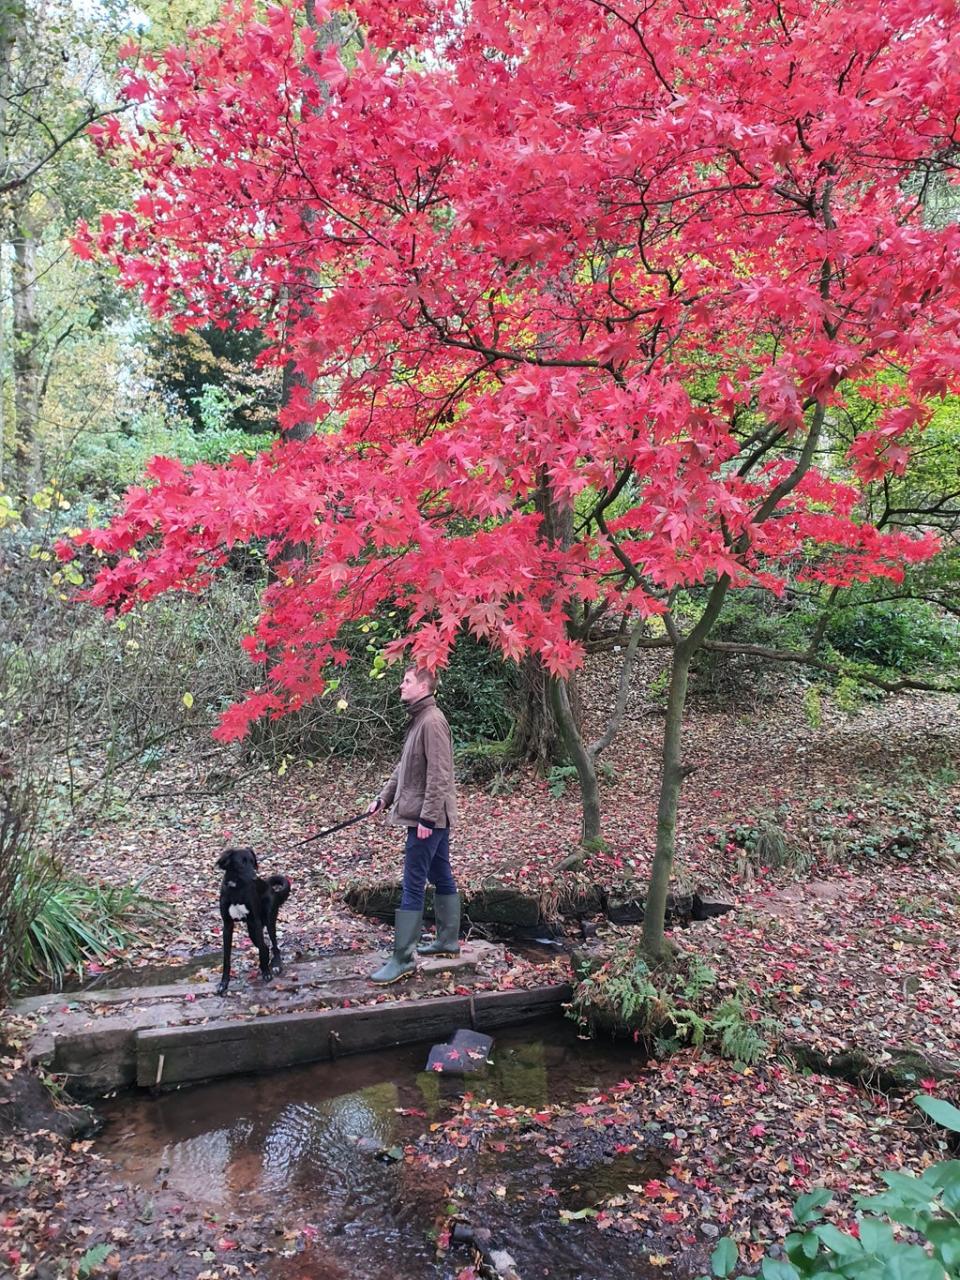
{"points": [[181, 1055]]}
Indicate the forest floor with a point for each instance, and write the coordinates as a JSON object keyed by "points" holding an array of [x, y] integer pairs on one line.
{"points": [[853, 943]]}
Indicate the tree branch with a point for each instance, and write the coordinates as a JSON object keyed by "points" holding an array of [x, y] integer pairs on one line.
{"points": [[623, 691], [832, 668], [21, 179]]}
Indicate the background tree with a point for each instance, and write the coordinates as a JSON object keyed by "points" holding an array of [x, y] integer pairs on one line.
{"points": [[586, 298], [54, 80], [182, 365]]}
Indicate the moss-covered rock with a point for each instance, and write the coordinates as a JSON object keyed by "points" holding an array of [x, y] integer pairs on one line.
{"points": [[502, 906], [897, 1070], [495, 905]]}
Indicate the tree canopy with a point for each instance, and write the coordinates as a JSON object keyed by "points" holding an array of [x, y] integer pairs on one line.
{"points": [[525, 259]]}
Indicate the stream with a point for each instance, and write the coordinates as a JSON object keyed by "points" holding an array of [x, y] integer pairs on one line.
{"points": [[312, 1146]]}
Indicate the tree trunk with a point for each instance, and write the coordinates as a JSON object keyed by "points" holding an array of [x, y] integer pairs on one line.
{"points": [[336, 30], [6, 50], [583, 759], [26, 365], [537, 738], [654, 942]]}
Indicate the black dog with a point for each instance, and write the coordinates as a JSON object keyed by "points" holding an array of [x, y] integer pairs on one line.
{"points": [[244, 896]]}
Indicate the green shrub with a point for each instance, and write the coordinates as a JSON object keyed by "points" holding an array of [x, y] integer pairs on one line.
{"points": [[903, 635], [562, 776], [669, 1007], [488, 764], [748, 617], [360, 713], [928, 1208], [478, 690], [104, 464], [169, 667], [762, 843], [73, 921]]}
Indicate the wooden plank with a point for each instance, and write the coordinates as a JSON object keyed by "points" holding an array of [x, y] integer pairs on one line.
{"points": [[179, 1055], [96, 1062], [508, 1008], [284, 1040]]}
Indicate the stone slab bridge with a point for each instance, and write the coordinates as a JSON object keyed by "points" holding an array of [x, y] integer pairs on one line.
{"points": [[181, 1032]]}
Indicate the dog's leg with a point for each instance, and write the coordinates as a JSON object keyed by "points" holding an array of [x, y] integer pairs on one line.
{"points": [[276, 960], [227, 949], [256, 937], [279, 893]]}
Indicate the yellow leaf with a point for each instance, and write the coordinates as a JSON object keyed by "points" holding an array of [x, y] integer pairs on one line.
{"points": [[188, 700]]}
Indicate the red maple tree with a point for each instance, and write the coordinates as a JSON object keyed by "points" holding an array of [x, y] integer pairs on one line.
{"points": [[572, 290]]}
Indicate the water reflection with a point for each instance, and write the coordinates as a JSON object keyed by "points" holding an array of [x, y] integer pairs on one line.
{"points": [[304, 1142]]}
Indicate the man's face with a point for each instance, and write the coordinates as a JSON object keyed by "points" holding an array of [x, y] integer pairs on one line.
{"points": [[411, 687]]}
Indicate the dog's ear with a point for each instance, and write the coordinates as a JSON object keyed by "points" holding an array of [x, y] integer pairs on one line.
{"points": [[224, 860], [256, 864]]}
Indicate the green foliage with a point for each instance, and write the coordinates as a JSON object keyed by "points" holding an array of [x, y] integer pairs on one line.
{"points": [[813, 706], [210, 375], [561, 776], [74, 920], [940, 1111], [359, 711], [478, 691], [925, 1209], [763, 843], [670, 1007], [748, 617], [902, 635], [894, 823], [484, 763], [862, 636], [103, 465], [93, 1260], [740, 1033]]}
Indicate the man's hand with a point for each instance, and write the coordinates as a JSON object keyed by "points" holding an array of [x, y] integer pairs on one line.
{"points": [[374, 805], [424, 833]]}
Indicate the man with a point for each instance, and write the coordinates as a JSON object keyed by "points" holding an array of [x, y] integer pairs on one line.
{"points": [[421, 797]]}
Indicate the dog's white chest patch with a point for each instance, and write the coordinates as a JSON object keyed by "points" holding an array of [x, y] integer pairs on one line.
{"points": [[238, 911]]}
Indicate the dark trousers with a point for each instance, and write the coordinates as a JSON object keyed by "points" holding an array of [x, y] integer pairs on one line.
{"points": [[425, 860]]}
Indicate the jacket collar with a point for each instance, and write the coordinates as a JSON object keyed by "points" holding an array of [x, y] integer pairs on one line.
{"points": [[414, 708]]}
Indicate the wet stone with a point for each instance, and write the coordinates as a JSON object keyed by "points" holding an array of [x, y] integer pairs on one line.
{"points": [[466, 1054], [472, 954]]}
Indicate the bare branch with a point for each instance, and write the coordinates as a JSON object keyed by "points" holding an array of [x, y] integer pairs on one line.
{"points": [[623, 691], [806, 659]]}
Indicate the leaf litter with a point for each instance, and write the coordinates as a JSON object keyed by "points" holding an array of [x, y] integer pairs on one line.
{"points": [[860, 946]]}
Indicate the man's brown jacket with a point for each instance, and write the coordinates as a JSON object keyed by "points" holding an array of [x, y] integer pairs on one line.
{"points": [[421, 789]]}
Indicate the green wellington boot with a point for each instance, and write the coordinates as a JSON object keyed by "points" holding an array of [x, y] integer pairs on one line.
{"points": [[402, 964], [446, 907]]}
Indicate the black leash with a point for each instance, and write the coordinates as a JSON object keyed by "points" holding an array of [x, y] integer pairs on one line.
{"points": [[339, 827]]}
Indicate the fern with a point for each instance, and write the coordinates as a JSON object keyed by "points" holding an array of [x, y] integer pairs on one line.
{"points": [[672, 1009], [700, 978], [739, 1038], [690, 1028]]}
